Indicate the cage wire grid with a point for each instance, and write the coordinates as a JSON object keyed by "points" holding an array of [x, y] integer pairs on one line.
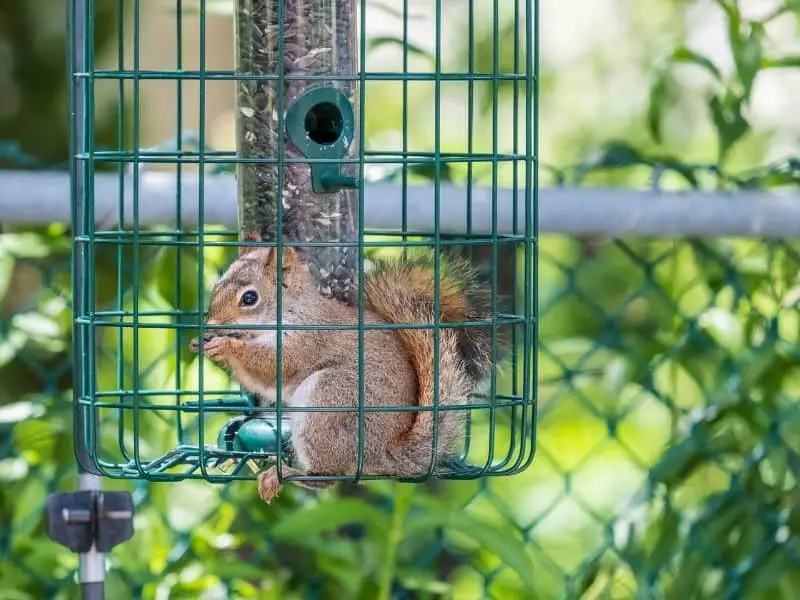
{"points": [[124, 337]]}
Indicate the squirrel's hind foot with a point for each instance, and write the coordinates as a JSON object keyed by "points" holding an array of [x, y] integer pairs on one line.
{"points": [[268, 484]]}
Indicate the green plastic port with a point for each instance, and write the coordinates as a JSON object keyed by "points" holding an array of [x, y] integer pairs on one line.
{"points": [[258, 435], [321, 124]]}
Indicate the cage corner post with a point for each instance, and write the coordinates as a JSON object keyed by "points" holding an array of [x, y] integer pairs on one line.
{"points": [[89, 521]]}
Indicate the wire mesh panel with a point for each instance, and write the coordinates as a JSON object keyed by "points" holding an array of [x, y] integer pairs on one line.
{"points": [[306, 345]]}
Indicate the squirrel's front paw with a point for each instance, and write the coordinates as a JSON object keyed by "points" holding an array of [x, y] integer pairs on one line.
{"points": [[194, 344], [222, 348]]}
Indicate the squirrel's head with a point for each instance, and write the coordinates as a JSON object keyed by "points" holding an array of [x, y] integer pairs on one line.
{"points": [[247, 293]]}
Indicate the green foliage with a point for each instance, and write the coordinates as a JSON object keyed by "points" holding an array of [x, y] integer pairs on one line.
{"points": [[729, 96], [33, 94], [668, 434]]}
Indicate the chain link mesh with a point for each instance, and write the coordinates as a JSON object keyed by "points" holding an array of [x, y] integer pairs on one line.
{"points": [[667, 457], [667, 441]]}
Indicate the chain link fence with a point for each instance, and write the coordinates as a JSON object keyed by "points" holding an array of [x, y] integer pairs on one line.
{"points": [[667, 450]]}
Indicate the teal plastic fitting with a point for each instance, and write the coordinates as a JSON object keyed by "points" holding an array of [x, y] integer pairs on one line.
{"points": [[321, 124], [258, 435]]}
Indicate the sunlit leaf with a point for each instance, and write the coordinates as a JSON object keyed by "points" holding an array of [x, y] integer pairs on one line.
{"points": [[32, 245], [12, 469], [724, 327]]}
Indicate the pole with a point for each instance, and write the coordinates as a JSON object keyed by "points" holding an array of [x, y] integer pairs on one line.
{"points": [[91, 569], [88, 521]]}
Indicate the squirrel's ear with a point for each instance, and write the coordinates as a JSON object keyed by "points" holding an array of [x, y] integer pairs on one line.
{"points": [[288, 257], [247, 237]]}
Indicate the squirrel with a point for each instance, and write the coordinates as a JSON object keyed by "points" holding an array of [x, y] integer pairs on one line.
{"points": [[320, 367]]}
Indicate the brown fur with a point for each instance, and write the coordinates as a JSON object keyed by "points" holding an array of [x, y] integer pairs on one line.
{"points": [[320, 367]]}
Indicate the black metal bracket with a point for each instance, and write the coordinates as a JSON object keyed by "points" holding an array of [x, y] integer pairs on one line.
{"points": [[79, 520]]}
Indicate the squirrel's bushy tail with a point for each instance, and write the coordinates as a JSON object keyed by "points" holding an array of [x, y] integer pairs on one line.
{"points": [[403, 291]]}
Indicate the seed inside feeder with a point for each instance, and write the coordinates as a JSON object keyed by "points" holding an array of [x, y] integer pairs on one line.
{"points": [[317, 37]]}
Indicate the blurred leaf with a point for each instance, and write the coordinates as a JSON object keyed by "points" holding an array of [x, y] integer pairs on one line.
{"points": [[728, 120], [667, 539], [676, 166], [46, 560], [720, 514], [747, 53], [660, 92], [214, 377], [687, 575], [13, 469], [35, 324], [35, 438], [725, 328], [186, 495], [424, 582], [397, 12], [758, 362], [327, 516], [177, 275], [783, 62], [20, 411], [340, 550], [616, 154], [764, 580], [32, 245], [11, 594], [425, 171], [29, 502], [592, 580], [11, 345], [374, 43], [350, 574], [678, 463], [237, 569], [731, 8], [511, 551], [687, 56], [6, 271], [212, 7], [785, 173]]}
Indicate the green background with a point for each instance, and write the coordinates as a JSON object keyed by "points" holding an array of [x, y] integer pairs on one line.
{"points": [[667, 458]]}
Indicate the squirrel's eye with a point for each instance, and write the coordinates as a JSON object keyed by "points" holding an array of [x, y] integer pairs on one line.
{"points": [[249, 298]]}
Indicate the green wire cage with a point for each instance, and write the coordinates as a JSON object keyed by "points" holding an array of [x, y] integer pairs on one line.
{"points": [[309, 175]]}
